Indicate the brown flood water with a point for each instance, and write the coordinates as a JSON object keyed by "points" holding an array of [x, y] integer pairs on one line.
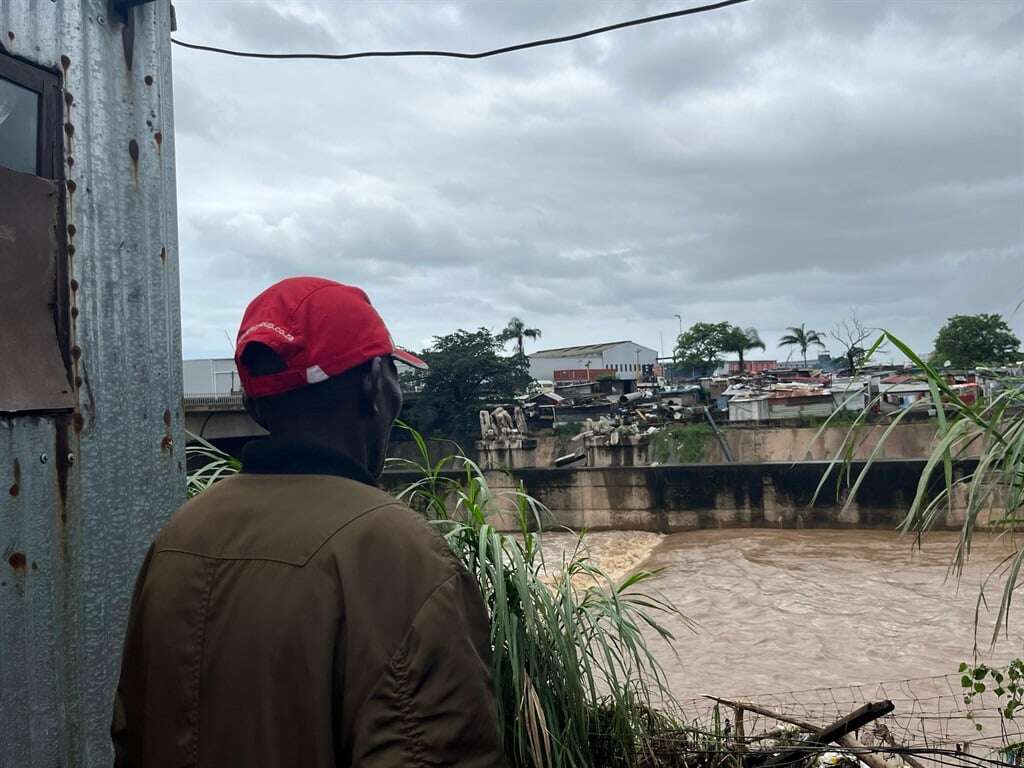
{"points": [[785, 610]]}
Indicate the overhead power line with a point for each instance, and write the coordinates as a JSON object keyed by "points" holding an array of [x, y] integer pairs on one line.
{"points": [[462, 55]]}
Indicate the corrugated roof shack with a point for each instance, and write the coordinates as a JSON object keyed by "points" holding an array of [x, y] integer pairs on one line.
{"points": [[91, 440]]}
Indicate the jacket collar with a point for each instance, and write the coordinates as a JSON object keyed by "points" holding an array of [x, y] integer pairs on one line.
{"points": [[274, 456]]}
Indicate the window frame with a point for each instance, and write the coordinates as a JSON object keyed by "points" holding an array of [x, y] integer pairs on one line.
{"points": [[48, 84]]}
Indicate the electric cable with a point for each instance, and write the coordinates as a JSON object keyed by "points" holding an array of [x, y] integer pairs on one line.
{"points": [[462, 55]]}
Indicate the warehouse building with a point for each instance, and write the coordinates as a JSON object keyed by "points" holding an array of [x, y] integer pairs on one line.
{"points": [[622, 360]]}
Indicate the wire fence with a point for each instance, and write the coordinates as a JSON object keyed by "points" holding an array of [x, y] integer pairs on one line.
{"points": [[933, 722]]}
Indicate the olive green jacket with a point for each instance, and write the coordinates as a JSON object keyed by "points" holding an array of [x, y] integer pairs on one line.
{"points": [[305, 620]]}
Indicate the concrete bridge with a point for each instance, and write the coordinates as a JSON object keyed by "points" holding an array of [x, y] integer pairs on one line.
{"points": [[222, 418], [219, 417]]}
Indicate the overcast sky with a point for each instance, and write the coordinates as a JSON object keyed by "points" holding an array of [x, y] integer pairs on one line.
{"points": [[775, 163]]}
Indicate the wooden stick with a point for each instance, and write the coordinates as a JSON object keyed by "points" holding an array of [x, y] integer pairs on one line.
{"points": [[740, 734], [910, 760], [803, 724], [774, 733], [847, 740], [869, 759]]}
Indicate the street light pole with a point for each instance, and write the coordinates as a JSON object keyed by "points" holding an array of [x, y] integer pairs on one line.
{"points": [[680, 319]]}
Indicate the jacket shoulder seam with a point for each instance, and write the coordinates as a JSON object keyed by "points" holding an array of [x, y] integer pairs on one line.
{"points": [[328, 539], [297, 562]]}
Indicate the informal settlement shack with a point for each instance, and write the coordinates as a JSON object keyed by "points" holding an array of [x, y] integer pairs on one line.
{"points": [[91, 439]]}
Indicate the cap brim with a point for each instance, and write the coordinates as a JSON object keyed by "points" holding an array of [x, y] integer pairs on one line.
{"points": [[409, 359]]}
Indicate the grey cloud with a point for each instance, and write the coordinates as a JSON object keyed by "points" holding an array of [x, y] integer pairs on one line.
{"points": [[278, 27], [771, 164]]}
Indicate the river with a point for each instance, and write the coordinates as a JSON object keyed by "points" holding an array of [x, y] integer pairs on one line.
{"points": [[781, 610]]}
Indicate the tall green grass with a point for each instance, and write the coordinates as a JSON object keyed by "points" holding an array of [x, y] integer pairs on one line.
{"points": [[575, 680]]}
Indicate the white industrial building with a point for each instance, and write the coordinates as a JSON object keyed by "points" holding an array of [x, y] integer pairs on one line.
{"points": [[211, 376], [218, 377], [624, 360]]}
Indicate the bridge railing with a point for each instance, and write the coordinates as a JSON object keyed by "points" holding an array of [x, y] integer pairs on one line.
{"points": [[232, 402]]}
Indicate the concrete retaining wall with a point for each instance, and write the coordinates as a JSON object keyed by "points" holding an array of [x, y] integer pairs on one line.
{"points": [[753, 444], [695, 496], [756, 444]]}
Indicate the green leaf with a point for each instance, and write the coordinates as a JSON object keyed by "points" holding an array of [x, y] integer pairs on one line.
{"points": [[979, 687], [966, 681]]}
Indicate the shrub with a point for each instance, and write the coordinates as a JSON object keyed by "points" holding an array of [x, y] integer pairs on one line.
{"points": [[683, 442]]}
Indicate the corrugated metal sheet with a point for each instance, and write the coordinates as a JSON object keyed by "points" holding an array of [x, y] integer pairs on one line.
{"points": [[793, 409], [83, 494], [585, 350], [748, 408]]}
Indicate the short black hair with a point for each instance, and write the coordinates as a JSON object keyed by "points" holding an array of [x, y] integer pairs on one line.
{"points": [[261, 360], [306, 401]]}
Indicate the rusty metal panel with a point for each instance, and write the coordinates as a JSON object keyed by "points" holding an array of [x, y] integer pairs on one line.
{"points": [[30, 732], [34, 377], [75, 524]]}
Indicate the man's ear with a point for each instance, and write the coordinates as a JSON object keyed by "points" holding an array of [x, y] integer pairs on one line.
{"points": [[370, 389], [252, 407]]}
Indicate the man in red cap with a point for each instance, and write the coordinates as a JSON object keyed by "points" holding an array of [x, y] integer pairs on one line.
{"points": [[295, 614]]}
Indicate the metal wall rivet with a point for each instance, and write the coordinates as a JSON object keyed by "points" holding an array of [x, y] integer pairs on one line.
{"points": [[71, 458], [43, 458]]}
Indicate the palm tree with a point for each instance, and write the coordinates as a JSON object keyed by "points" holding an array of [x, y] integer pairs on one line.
{"points": [[741, 340], [803, 338], [517, 331]]}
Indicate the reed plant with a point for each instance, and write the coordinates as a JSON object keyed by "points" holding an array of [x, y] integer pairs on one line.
{"points": [[206, 464]]}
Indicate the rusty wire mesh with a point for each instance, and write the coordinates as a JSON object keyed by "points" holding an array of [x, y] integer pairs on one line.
{"points": [[932, 719]]}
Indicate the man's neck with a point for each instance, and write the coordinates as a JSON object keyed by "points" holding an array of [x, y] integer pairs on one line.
{"points": [[295, 456]]}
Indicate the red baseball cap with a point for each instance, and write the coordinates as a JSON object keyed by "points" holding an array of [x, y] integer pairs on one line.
{"points": [[319, 328]]}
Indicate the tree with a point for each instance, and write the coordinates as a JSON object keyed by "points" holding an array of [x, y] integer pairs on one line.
{"points": [[467, 374], [851, 334], [969, 340], [801, 337], [702, 344], [517, 331], [740, 341]]}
